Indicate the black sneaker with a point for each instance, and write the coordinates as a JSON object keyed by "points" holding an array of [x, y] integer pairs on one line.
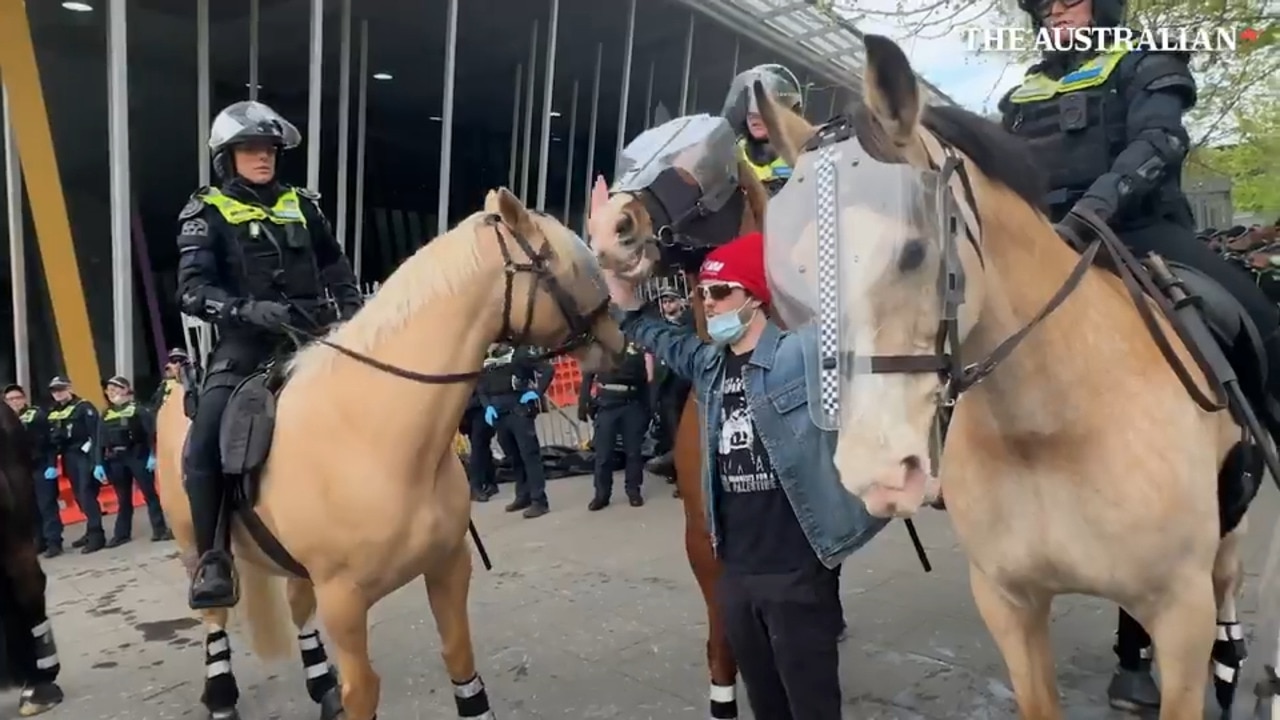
{"points": [[214, 583], [598, 503], [37, 699], [79, 542], [635, 500], [93, 545], [535, 511], [52, 551], [517, 505], [162, 535], [116, 542]]}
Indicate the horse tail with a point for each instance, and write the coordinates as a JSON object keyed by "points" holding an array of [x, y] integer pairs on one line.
{"points": [[264, 608]]}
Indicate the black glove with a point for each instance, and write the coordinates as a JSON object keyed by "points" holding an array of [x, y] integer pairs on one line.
{"points": [[264, 314], [1075, 229], [584, 412]]}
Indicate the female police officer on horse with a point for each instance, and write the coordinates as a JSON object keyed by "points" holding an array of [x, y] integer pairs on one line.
{"points": [[255, 255]]}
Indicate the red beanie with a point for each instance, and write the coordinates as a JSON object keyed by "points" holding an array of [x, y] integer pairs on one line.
{"points": [[739, 261]]}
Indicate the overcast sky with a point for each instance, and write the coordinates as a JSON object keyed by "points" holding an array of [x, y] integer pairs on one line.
{"points": [[976, 81]]}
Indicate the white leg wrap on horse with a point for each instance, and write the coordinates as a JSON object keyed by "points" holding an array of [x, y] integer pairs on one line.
{"points": [[46, 648], [724, 702], [1227, 656], [217, 654]]}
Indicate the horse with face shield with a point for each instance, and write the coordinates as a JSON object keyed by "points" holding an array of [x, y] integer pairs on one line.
{"points": [[1079, 458], [682, 189]]}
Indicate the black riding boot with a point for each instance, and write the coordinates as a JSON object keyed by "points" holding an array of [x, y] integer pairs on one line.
{"points": [[213, 584]]}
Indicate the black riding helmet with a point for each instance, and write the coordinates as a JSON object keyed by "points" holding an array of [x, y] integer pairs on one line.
{"points": [[1106, 13], [778, 81], [244, 122]]}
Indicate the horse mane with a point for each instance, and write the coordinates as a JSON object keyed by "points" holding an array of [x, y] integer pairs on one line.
{"points": [[1002, 156], [442, 267], [757, 196]]}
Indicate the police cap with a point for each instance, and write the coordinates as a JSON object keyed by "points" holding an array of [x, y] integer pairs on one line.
{"points": [[59, 383]]}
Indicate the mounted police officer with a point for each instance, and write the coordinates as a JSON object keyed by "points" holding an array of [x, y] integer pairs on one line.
{"points": [[1108, 127], [73, 431], [125, 453], [177, 365], [510, 389], [35, 421], [256, 256], [621, 409], [743, 115]]}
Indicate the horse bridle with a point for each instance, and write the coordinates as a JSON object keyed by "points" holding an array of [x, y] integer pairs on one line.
{"points": [[954, 376], [678, 214], [539, 266]]}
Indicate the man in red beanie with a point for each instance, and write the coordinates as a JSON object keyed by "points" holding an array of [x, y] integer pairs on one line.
{"points": [[780, 521]]}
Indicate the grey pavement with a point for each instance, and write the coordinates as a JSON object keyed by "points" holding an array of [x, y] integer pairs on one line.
{"points": [[586, 615]]}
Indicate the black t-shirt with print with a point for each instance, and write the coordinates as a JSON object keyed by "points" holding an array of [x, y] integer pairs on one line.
{"points": [[759, 532]]}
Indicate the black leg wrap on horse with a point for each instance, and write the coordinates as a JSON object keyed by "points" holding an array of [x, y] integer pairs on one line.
{"points": [[315, 663], [47, 665], [1228, 655], [220, 690], [472, 700]]}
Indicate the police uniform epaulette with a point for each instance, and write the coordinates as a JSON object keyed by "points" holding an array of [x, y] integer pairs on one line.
{"points": [[307, 193], [195, 204]]}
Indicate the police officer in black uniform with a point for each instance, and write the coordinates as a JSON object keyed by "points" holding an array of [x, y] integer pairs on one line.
{"points": [[1108, 128], [743, 115], [510, 390], [177, 362], [36, 423], [480, 469], [669, 391], [126, 453], [255, 255], [73, 431], [621, 408]]}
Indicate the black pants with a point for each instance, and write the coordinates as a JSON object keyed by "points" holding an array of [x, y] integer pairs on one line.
{"points": [[49, 529], [519, 442], [79, 471], [232, 360], [672, 395], [784, 630], [123, 469], [629, 420], [480, 464]]}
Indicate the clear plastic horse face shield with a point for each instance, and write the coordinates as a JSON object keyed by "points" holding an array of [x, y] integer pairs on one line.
{"points": [[701, 146], [853, 248]]}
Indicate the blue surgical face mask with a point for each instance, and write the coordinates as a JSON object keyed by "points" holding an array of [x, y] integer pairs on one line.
{"points": [[728, 327]]}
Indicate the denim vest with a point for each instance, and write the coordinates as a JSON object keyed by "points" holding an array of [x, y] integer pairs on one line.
{"points": [[835, 521]]}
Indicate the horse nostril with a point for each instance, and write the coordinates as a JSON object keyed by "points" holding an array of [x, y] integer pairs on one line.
{"points": [[625, 227]]}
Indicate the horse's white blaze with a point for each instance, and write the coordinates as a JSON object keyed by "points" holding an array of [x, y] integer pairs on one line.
{"points": [[886, 417]]}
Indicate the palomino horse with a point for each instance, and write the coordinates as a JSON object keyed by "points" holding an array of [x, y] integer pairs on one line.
{"points": [[627, 237], [1082, 462], [28, 655], [362, 487]]}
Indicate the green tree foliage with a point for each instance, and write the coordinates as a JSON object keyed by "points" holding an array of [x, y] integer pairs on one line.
{"points": [[1252, 162]]}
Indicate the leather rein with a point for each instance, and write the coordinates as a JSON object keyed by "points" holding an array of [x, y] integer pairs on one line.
{"points": [[539, 266]]}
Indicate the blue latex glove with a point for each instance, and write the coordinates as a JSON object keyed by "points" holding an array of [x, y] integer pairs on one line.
{"points": [[529, 396], [490, 415], [99, 473], [51, 473], [151, 463]]}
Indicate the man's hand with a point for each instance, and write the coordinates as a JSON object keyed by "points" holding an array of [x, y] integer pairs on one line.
{"points": [[621, 291], [265, 314]]}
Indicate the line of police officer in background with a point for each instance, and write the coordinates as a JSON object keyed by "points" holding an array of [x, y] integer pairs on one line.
{"points": [[116, 448]]}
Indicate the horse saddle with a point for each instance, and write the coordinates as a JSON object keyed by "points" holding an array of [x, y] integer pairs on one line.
{"points": [[246, 429]]}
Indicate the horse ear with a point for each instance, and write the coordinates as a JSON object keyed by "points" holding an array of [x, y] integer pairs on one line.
{"points": [[788, 130], [513, 212], [890, 89]]}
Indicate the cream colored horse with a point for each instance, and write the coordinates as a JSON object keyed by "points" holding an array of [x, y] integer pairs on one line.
{"points": [[1081, 464], [362, 486]]}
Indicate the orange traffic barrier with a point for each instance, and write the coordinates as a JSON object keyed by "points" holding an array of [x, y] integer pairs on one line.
{"points": [[69, 509], [567, 382]]}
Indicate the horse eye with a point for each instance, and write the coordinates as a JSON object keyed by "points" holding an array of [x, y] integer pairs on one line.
{"points": [[625, 226], [912, 255]]}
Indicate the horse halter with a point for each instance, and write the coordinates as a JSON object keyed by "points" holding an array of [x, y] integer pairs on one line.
{"points": [[539, 266], [954, 376]]}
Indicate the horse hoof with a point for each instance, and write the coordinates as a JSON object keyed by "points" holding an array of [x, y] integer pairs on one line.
{"points": [[230, 714], [39, 699], [331, 705]]}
